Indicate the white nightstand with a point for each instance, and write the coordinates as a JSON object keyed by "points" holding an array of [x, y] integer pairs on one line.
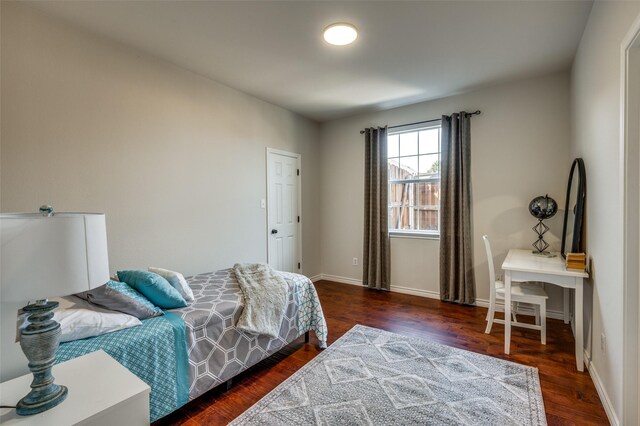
{"points": [[101, 392]]}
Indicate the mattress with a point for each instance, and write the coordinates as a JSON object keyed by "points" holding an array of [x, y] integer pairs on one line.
{"points": [[188, 351], [217, 351]]}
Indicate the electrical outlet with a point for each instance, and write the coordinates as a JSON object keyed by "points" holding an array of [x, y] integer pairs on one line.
{"points": [[355, 261], [263, 203], [603, 342]]}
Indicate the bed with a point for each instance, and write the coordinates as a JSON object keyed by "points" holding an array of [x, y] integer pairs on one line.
{"points": [[205, 348]]}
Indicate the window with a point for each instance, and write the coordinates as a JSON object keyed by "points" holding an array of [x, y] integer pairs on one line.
{"points": [[414, 180]]}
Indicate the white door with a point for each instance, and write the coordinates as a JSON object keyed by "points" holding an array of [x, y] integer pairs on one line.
{"points": [[283, 217]]}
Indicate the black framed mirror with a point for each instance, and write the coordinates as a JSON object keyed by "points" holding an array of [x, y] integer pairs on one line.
{"points": [[574, 209]]}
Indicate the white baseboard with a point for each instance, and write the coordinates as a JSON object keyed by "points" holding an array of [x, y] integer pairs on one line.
{"points": [[416, 292], [394, 288], [342, 280], [602, 392], [316, 278], [431, 295]]}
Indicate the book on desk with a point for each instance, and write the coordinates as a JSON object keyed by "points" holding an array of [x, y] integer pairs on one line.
{"points": [[576, 262]]}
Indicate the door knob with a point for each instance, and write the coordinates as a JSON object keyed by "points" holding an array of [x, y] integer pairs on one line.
{"points": [[274, 231]]}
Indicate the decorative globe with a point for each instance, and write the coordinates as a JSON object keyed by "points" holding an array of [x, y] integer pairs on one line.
{"points": [[543, 207]]}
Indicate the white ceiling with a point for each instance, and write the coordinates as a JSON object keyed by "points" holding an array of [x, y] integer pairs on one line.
{"points": [[406, 52]]}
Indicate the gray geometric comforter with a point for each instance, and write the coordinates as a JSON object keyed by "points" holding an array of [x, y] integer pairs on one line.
{"points": [[217, 350]]}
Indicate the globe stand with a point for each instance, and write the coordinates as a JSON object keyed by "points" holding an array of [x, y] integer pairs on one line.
{"points": [[542, 208], [540, 244]]}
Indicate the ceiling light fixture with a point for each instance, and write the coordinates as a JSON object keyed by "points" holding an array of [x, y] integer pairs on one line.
{"points": [[340, 34]]}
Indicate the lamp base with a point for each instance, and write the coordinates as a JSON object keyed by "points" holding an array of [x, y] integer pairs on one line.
{"points": [[35, 402], [39, 342]]}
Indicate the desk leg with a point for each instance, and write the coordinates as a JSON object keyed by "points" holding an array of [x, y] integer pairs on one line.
{"points": [[578, 320], [567, 299], [507, 311]]}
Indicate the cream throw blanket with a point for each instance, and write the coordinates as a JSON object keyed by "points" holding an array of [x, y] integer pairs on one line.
{"points": [[265, 298]]}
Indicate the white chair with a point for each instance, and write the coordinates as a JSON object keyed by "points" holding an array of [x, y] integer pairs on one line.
{"points": [[520, 293]]}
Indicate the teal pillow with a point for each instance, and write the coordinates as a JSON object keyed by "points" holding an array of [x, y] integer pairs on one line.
{"points": [[126, 290], [153, 287]]}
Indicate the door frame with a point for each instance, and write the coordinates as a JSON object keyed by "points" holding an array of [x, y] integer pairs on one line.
{"points": [[629, 163], [298, 157]]}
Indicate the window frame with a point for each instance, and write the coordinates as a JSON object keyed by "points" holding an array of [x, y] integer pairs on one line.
{"points": [[414, 128]]}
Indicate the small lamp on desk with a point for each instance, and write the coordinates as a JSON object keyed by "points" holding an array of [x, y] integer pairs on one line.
{"points": [[542, 207], [45, 255]]}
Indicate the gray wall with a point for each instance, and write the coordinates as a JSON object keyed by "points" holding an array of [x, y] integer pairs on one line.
{"points": [[520, 149], [596, 138], [175, 160]]}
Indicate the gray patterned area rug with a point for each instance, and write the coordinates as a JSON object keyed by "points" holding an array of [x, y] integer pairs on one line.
{"points": [[373, 377]]}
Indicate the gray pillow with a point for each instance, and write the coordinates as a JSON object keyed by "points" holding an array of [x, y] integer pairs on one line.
{"points": [[119, 296]]}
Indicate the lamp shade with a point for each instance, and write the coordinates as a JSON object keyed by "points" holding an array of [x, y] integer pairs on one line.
{"points": [[48, 256]]}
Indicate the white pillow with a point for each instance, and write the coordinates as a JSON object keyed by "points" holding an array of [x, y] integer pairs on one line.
{"points": [[78, 324], [177, 281]]}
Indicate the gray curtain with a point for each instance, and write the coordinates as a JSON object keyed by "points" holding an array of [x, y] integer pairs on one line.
{"points": [[376, 264], [457, 282]]}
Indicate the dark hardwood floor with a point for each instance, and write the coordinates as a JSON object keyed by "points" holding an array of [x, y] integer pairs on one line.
{"points": [[570, 397]]}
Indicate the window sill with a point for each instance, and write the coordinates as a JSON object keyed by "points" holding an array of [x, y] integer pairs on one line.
{"points": [[416, 235]]}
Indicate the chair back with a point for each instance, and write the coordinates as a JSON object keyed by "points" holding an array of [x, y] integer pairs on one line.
{"points": [[492, 271]]}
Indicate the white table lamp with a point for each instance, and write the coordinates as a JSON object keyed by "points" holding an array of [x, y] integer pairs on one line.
{"points": [[46, 255]]}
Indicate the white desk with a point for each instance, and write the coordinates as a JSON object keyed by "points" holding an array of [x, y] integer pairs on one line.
{"points": [[523, 265], [101, 393]]}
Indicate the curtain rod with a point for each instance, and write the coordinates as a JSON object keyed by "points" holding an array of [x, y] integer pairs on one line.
{"points": [[469, 114]]}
